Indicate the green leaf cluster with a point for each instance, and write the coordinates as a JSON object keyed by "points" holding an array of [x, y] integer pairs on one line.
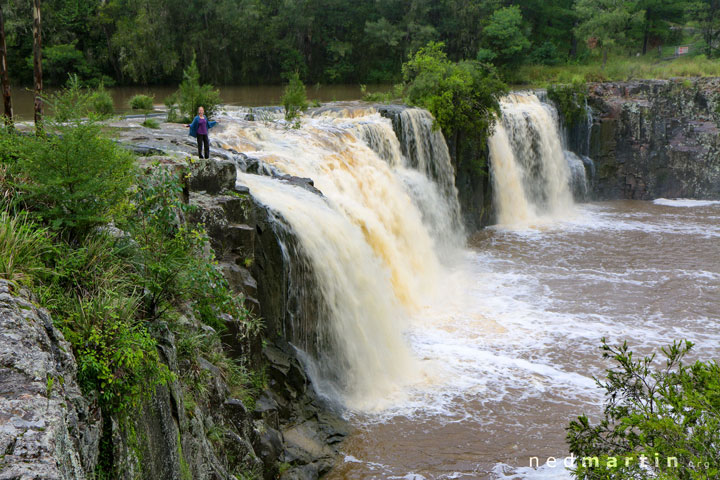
{"points": [[570, 100], [462, 96], [669, 412], [73, 177], [192, 95], [294, 98], [504, 39], [141, 102]]}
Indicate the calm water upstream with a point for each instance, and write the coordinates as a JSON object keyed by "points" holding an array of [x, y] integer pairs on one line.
{"points": [[249, 96], [516, 339]]}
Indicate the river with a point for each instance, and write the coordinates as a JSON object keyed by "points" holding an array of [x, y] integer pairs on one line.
{"points": [[518, 342], [240, 95], [456, 356]]}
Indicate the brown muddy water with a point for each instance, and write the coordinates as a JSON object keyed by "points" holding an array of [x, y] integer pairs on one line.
{"points": [[240, 95], [518, 341]]}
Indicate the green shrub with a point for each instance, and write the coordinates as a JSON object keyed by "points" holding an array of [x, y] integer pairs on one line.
{"points": [[70, 103], [101, 102], [74, 177], [545, 54], [93, 300], [570, 100], [172, 109], [669, 412], [22, 248], [463, 96], [191, 95], [395, 93], [294, 97], [142, 102], [150, 123], [171, 266], [10, 146], [60, 59]]}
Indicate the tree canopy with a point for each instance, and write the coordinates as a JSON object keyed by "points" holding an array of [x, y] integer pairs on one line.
{"points": [[335, 41]]}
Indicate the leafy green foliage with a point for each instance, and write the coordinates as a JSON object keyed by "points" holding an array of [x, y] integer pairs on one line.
{"points": [[503, 40], [606, 24], [335, 41], [150, 123], [545, 54], [294, 97], [463, 96], [22, 248], [192, 95], [61, 59], [74, 178], [391, 95], [172, 109], [142, 102], [94, 303], [670, 413], [706, 15], [101, 102], [570, 100], [170, 263]]}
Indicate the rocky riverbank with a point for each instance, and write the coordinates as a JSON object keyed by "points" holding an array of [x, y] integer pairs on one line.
{"points": [[656, 138]]}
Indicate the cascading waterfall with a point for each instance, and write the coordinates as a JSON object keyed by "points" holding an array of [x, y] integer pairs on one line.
{"points": [[422, 161], [578, 175], [530, 172], [371, 241]]}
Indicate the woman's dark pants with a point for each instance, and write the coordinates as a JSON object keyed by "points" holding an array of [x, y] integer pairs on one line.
{"points": [[203, 140]]}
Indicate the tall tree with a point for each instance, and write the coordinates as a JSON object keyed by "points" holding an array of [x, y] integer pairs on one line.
{"points": [[503, 39], [659, 14], [606, 24], [7, 100], [37, 65], [706, 13]]}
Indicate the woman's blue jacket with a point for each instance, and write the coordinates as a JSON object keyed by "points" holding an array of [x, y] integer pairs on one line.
{"points": [[195, 123]]}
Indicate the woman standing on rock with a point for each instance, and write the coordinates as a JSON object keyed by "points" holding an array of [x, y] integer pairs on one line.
{"points": [[199, 128]]}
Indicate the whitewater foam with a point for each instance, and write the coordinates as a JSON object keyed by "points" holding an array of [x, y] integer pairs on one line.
{"points": [[685, 202]]}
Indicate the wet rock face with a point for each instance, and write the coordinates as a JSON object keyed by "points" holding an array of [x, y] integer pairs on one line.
{"points": [[47, 429], [656, 138]]}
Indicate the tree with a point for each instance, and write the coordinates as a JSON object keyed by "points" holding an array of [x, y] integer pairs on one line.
{"points": [[707, 15], [670, 413], [145, 41], [658, 17], [192, 95], [294, 98], [551, 27], [503, 40], [7, 100], [74, 177], [37, 64], [463, 97], [607, 23]]}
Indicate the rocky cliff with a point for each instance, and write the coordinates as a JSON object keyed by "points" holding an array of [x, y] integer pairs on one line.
{"points": [[197, 426], [656, 138], [48, 430]]}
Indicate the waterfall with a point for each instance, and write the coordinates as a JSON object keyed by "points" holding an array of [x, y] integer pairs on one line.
{"points": [[530, 172], [421, 159], [365, 255], [578, 174]]}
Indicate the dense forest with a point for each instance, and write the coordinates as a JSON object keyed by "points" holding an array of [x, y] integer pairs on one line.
{"points": [[338, 41]]}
